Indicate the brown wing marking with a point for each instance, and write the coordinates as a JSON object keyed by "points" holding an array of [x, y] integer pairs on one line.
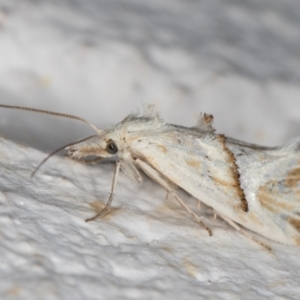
{"points": [[235, 173], [295, 223], [293, 177], [278, 198], [194, 163], [162, 148]]}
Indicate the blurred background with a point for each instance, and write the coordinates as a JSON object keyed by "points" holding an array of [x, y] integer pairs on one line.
{"points": [[101, 59]]}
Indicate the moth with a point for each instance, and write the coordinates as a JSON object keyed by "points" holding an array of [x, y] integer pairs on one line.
{"points": [[245, 184]]}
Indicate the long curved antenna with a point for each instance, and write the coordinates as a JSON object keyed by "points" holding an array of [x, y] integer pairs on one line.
{"points": [[47, 112], [56, 151]]}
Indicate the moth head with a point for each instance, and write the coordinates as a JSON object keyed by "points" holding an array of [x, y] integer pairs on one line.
{"points": [[104, 145], [112, 142]]}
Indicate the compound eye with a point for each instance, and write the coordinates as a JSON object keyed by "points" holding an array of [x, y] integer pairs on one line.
{"points": [[111, 148]]}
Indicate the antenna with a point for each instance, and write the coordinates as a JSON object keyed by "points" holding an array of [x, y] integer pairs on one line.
{"points": [[47, 112], [57, 150]]}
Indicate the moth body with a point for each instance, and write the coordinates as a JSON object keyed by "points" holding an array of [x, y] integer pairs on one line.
{"points": [[255, 186]]}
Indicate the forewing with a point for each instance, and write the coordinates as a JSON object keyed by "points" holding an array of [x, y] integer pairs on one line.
{"points": [[196, 162], [202, 164]]}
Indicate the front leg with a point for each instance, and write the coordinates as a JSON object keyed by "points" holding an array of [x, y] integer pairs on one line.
{"points": [[86, 161], [112, 193]]}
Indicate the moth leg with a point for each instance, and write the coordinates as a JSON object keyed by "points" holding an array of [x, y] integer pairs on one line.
{"points": [[199, 205], [215, 216], [111, 196], [93, 161], [157, 177], [245, 233], [87, 162], [197, 219], [167, 196]]}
